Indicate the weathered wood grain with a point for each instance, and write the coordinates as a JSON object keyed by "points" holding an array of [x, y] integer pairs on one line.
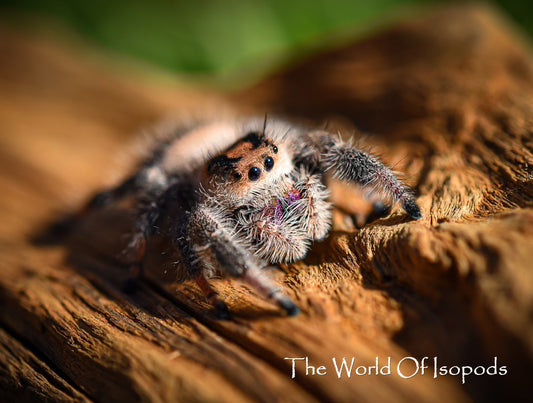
{"points": [[118, 349], [25, 378], [448, 98]]}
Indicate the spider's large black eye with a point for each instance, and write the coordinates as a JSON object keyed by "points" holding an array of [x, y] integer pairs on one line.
{"points": [[254, 173], [269, 163]]}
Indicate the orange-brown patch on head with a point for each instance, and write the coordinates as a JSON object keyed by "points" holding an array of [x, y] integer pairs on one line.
{"points": [[244, 164], [249, 156]]}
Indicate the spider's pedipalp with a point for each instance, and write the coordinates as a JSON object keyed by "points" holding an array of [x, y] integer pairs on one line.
{"points": [[276, 239], [314, 205], [284, 219]]}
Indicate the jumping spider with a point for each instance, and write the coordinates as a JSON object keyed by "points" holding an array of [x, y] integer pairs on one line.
{"points": [[261, 201]]}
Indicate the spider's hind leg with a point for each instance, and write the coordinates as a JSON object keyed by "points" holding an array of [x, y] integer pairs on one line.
{"points": [[112, 195], [62, 226], [151, 208], [144, 228]]}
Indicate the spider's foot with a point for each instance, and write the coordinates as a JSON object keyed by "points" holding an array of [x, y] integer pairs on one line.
{"points": [[289, 307], [379, 210], [411, 208], [221, 311]]}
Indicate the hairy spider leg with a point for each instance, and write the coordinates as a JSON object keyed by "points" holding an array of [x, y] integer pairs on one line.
{"points": [[151, 188], [145, 226], [350, 164], [209, 231], [109, 196]]}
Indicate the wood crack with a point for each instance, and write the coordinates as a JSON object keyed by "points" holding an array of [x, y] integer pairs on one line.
{"points": [[36, 376]]}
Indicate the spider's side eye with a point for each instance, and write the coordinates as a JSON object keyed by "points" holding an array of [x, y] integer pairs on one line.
{"points": [[275, 149], [254, 173], [237, 176], [269, 163]]}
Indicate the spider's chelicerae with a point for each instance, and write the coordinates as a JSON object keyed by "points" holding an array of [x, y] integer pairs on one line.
{"points": [[245, 196]]}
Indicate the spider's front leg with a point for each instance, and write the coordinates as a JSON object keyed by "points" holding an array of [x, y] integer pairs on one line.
{"points": [[211, 236], [350, 164]]}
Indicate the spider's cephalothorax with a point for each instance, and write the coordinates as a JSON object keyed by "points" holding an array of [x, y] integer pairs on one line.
{"points": [[261, 200]]}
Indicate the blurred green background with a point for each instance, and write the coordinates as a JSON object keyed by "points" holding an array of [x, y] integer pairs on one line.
{"points": [[224, 40]]}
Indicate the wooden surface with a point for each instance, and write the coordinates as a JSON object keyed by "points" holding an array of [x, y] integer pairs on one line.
{"points": [[449, 99]]}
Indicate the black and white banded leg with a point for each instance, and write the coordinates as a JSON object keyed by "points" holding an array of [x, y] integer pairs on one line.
{"points": [[209, 232], [350, 164]]}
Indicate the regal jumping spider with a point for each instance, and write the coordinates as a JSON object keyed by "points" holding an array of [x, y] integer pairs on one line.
{"points": [[260, 201]]}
